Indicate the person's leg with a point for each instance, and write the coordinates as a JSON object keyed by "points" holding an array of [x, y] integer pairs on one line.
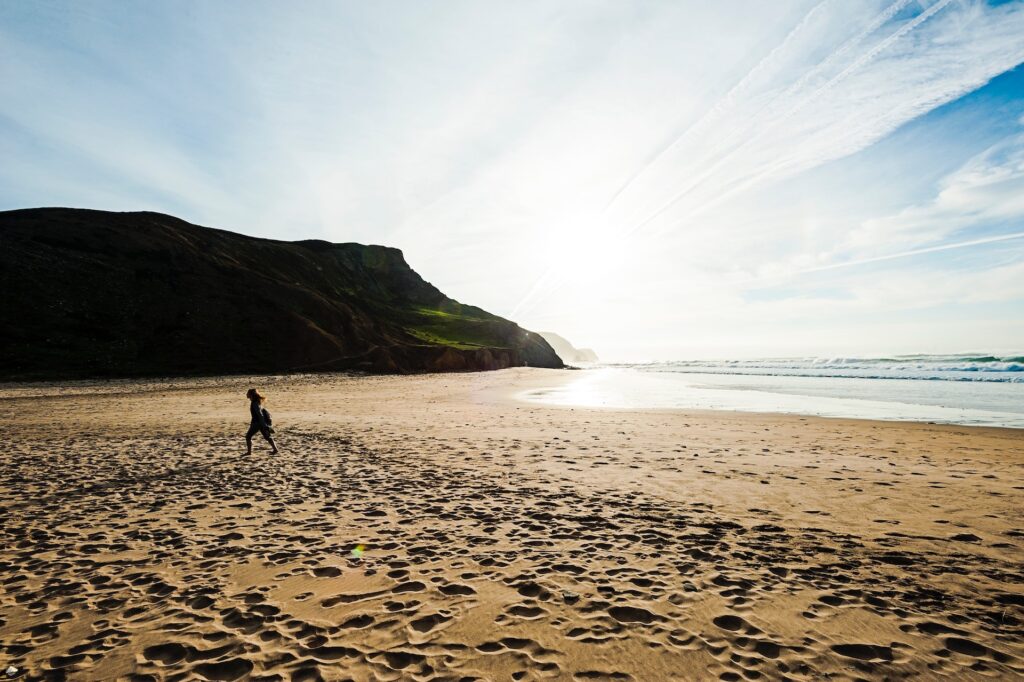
{"points": [[270, 439], [248, 439]]}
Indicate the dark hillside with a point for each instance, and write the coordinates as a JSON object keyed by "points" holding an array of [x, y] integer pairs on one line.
{"points": [[93, 293]]}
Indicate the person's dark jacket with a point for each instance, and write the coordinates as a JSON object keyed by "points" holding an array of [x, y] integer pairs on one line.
{"points": [[256, 410]]}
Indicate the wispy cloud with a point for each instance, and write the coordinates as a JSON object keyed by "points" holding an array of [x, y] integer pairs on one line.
{"points": [[797, 113], [988, 189]]}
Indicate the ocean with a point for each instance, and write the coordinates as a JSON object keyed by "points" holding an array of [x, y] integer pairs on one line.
{"points": [[970, 389]]}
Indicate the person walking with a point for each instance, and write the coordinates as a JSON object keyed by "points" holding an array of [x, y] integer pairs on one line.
{"points": [[260, 421]]}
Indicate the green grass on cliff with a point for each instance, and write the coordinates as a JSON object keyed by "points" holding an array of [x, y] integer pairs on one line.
{"points": [[464, 331]]}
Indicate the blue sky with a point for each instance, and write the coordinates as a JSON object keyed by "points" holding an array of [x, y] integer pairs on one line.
{"points": [[653, 179]]}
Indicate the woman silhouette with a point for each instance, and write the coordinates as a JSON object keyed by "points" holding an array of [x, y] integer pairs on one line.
{"points": [[259, 422]]}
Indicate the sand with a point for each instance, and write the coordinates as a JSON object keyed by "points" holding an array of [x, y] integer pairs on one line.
{"points": [[500, 540]]}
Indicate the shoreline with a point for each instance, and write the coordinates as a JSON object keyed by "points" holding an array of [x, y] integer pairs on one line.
{"points": [[510, 396], [820, 397]]}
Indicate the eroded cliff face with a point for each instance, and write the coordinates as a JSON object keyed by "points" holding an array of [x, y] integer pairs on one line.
{"points": [[94, 293]]}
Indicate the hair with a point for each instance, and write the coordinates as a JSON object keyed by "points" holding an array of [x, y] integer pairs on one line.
{"points": [[254, 394]]}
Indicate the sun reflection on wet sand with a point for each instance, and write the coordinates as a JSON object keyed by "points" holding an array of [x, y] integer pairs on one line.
{"points": [[901, 400]]}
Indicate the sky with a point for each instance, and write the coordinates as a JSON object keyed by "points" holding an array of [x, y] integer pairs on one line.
{"points": [[654, 180]]}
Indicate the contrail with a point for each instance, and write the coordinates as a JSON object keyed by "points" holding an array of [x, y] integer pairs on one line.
{"points": [[856, 64], [873, 52], [880, 19], [877, 22], [914, 252], [718, 105]]}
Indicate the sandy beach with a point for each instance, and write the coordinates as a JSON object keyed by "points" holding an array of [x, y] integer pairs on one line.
{"points": [[435, 528]]}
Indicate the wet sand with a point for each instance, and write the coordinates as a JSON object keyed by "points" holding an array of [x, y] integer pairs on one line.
{"points": [[500, 540]]}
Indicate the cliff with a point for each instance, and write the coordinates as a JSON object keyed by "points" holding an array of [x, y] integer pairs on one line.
{"points": [[566, 351], [95, 293]]}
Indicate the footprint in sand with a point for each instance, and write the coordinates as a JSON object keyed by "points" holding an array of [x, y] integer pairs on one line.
{"points": [[429, 623], [734, 623]]}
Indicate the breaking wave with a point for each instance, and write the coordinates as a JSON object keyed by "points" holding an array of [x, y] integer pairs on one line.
{"points": [[962, 367]]}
